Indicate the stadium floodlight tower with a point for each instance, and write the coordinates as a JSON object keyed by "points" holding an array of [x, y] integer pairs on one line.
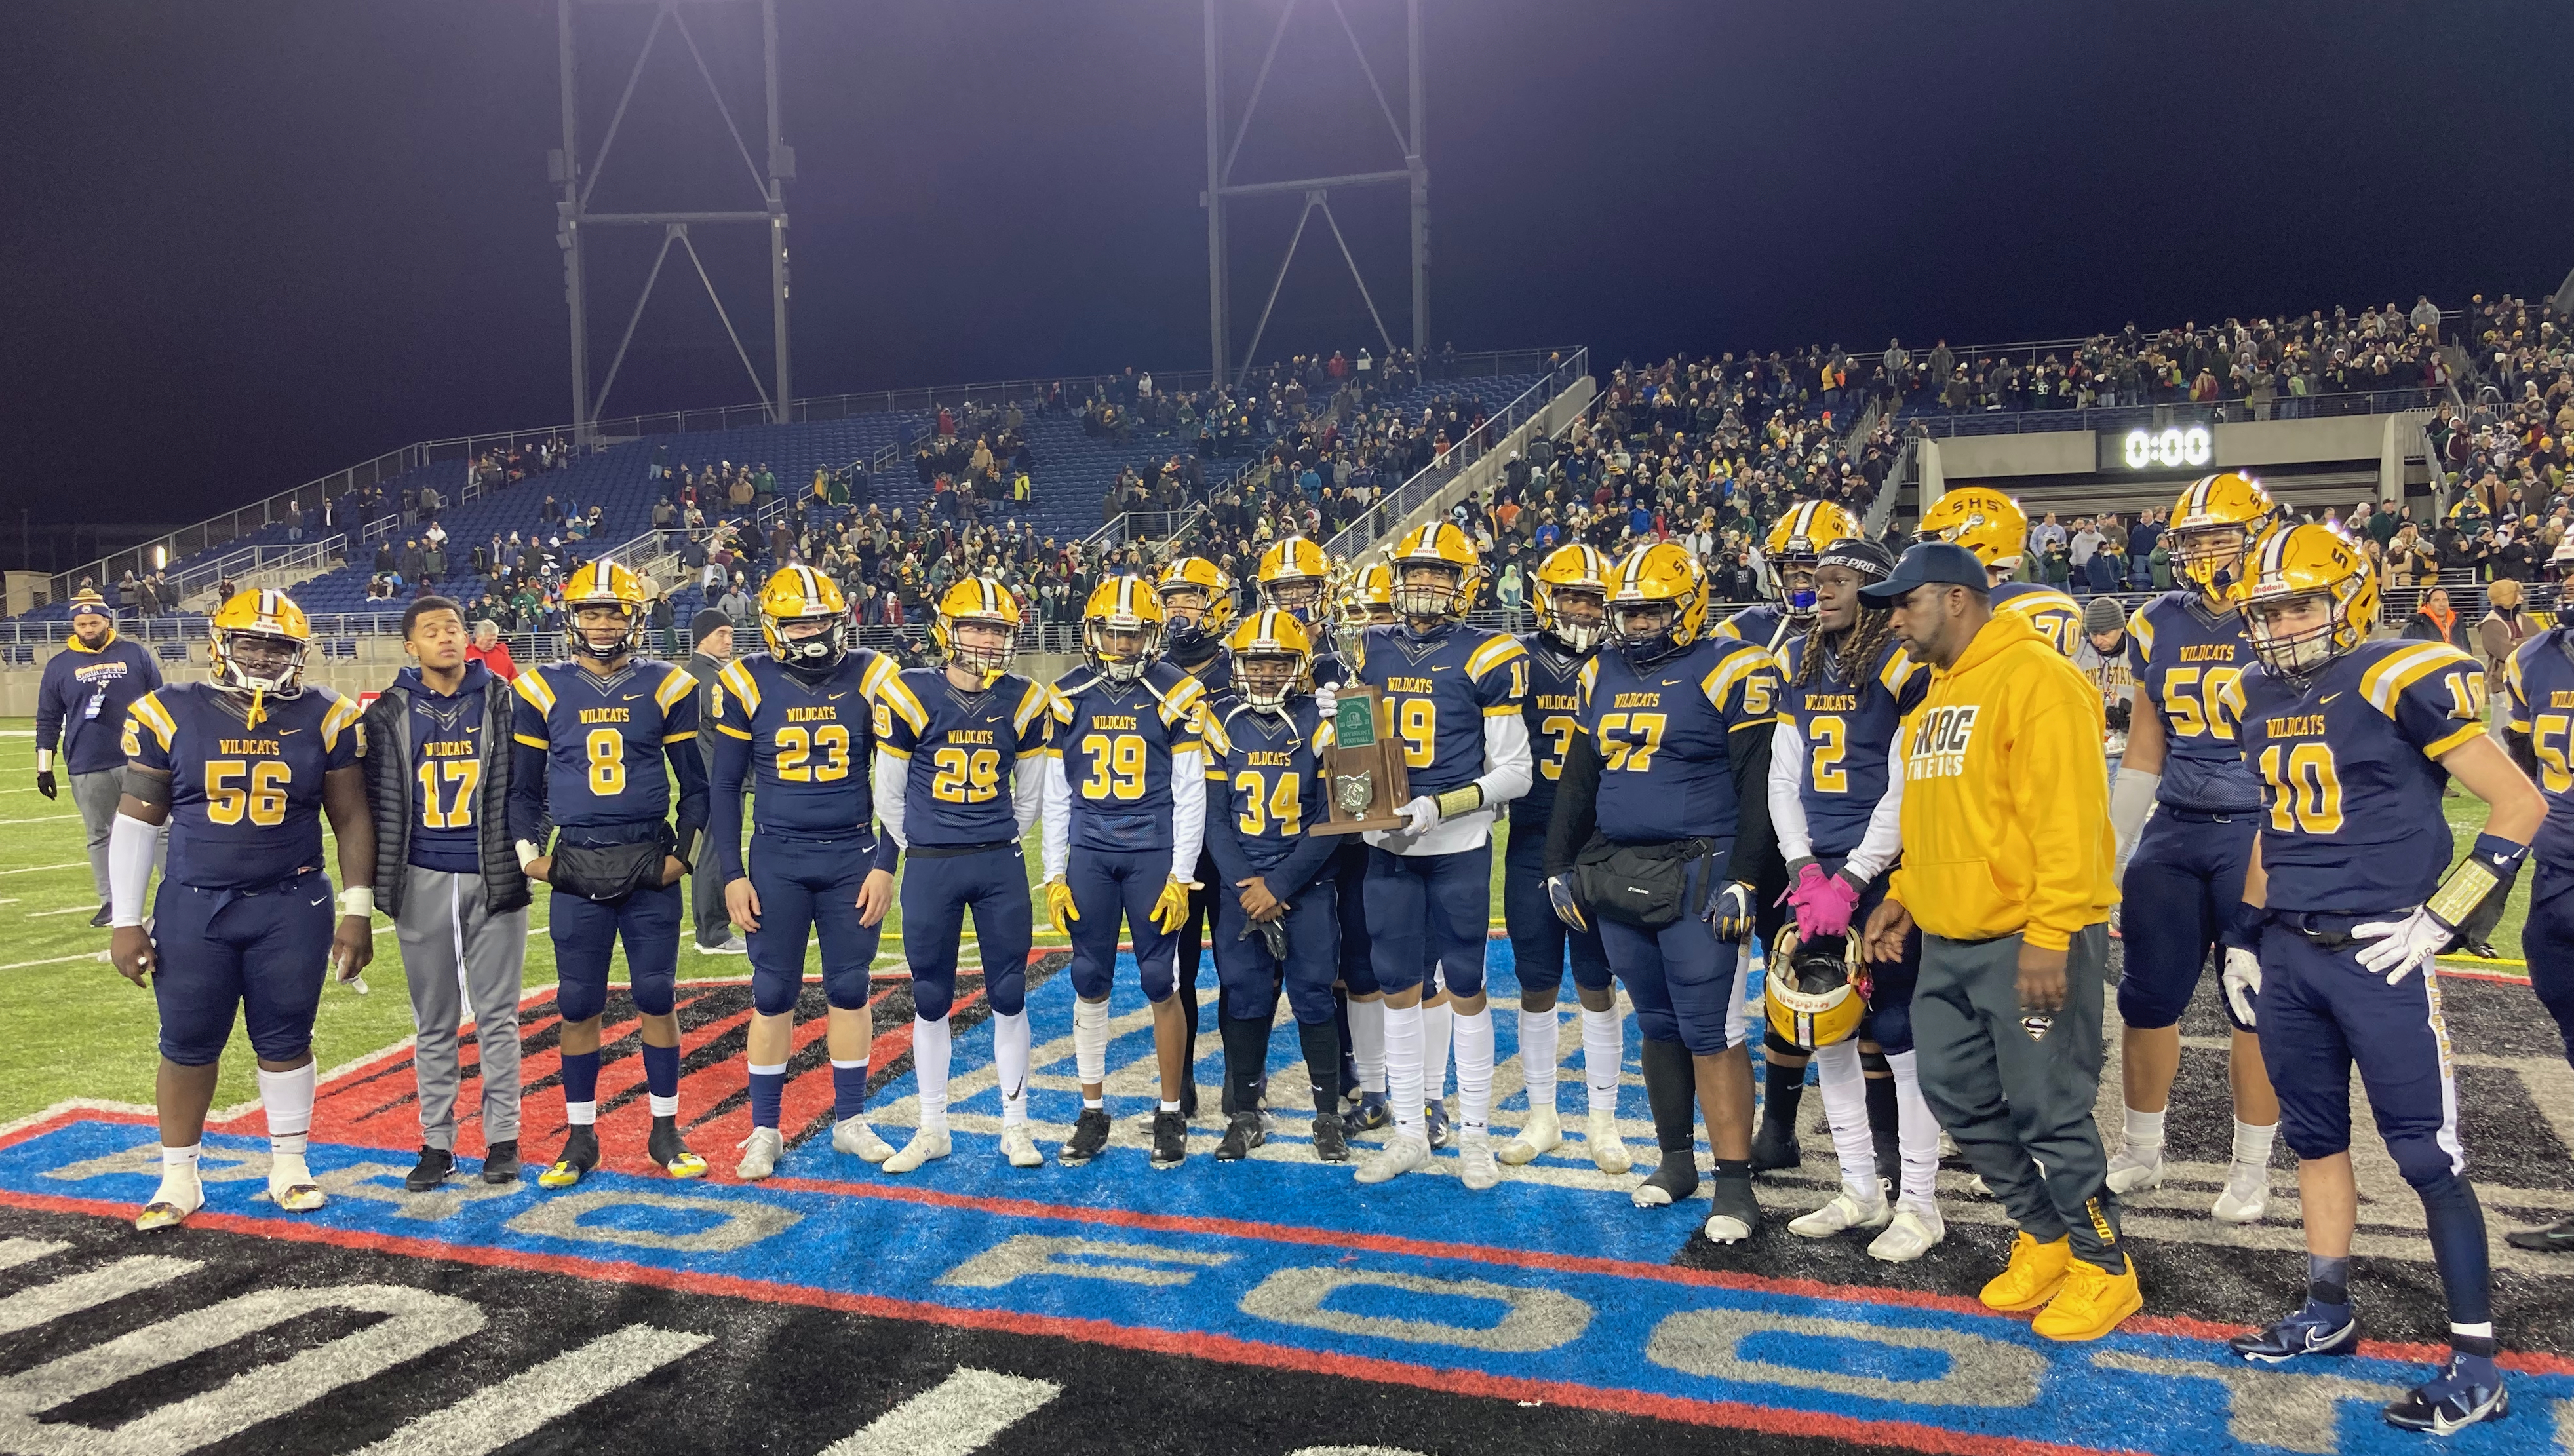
{"points": [[1220, 186], [577, 179]]}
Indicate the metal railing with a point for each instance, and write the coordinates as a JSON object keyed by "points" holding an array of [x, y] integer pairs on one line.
{"points": [[1394, 505]]}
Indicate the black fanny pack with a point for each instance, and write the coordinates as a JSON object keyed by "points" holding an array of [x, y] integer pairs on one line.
{"points": [[609, 872], [1643, 885]]}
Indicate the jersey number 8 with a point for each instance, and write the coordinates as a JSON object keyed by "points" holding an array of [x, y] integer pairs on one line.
{"points": [[606, 750], [965, 777], [264, 802]]}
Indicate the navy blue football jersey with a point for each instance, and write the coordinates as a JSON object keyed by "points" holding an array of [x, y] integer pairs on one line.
{"points": [[447, 739], [1848, 727], [1553, 712], [2539, 682], [1214, 675], [595, 746], [1439, 689], [804, 749], [2190, 666], [1766, 625], [1666, 736], [1262, 775], [2349, 782], [2058, 617], [245, 798], [1117, 741], [964, 750]]}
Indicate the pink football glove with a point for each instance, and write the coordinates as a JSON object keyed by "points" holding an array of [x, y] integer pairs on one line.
{"points": [[1823, 903]]}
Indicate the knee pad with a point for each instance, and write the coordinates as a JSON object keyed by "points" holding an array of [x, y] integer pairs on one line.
{"points": [[1657, 1023], [1157, 975], [932, 1000], [1008, 990], [1311, 1004], [578, 1001], [2425, 1165], [1891, 1028], [773, 991], [1251, 999], [1091, 977], [2148, 1008], [845, 987], [654, 994]]}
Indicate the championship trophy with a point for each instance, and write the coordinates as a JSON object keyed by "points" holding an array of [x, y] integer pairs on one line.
{"points": [[1362, 764]]}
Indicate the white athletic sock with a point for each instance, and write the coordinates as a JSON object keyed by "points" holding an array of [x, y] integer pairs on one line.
{"points": [[178, 1176], [2144, 1133], [1916, 1131], [1367, 1041], [929, 1048], [1845, 1089], [1438, 1029], [1539, 1034], [1010, 1059], [580, 1114], [1475, 1070], [1090, 1040], [1604, 1056], [1403, 1068], [287, 1099], [2252, 1144]]}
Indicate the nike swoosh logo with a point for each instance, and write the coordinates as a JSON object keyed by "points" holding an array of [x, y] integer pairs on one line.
{"points": [[835, 697], [1441, 667], [629, 697], [1671, 682], [2328, 697], [288, 732], [324, 900]]}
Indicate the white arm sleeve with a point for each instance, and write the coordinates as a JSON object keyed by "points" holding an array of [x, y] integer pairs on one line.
{"points": [[894, 772], [1028, 789], [129, 867], [1056, 851], [1508, 764], [2129, 802], [1884, 838], [1188, 814], [1786, 797]]}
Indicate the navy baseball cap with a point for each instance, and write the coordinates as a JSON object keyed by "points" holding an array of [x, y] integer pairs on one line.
{"points": [[1929, 563]]}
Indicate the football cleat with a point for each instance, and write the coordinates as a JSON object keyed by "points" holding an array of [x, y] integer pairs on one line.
{"points": [[2467, 1391], [1475, 1165], [1401, 1155], [1841, 1215], [1911, 1234], [106, 915], [1018, 1147], [1608, 1151], [2130, 1171], [2035, 1271], [1170, 1139], [853, 1135], [2247, 1197], [1243, 1131], [1542, 1134], [1434, 1122], [579, 1156], [2092, 1301], [924, 1146], [671, 1152], [1774, 1147], [179, 1195], [2315, 1329], [1089, 1136], [1738, 1214], [500, 1161], [761, 1150], [1331, 1139], [2554, 1239], [1671, 1182], [290, 1184], [1372, 1112], [431, 1169]]}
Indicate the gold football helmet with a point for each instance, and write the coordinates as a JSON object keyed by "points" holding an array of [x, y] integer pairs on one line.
{"points": [[1573, 574], [1814, 995], [1418, 562], [1658, 604], [802, 594], [978, 600], [1981, 519], [1368, 599], [259, 638], [1127, 608], [2296, 567], [1271, 636], [1795, 546], [605, 584], [2214, 528], [1296, 577], [1197, 601]]}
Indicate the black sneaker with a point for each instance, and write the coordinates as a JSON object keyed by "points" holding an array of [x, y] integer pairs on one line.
{"points": [[500, 1161], [671, 1151], [431, 1169], [1170, 1139], [1089, 1136], [1331, 1139], [104, 915], [1774, 1147], [2554, 1239], [1241, 1134]]}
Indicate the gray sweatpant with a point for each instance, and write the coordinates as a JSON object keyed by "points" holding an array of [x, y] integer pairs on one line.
{"points": [[457, 954], [95, 796], [2020, 1107]]}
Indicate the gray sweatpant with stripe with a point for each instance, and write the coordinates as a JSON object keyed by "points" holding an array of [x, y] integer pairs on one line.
{"points": [[456, 955], [2020, 1107]]}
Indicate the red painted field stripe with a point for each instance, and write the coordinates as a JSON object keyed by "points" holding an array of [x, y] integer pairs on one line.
{"points": [[1225, 1349], [811, 1095]]}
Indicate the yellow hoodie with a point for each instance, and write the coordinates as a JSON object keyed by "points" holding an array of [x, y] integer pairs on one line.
{"points": [[2007, 796]]}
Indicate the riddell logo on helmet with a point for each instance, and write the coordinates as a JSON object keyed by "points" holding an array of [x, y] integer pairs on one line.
{"points": [[1939, 749]]}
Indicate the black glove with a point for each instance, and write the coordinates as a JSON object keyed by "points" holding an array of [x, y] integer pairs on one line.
{"points": [[45, 783], [2119, 712]]}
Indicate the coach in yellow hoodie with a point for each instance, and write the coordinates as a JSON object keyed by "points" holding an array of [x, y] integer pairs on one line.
{"points": [[2008, 856]]}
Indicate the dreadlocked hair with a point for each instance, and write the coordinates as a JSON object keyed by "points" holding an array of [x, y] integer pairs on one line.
{"points": [[1867, 636]]}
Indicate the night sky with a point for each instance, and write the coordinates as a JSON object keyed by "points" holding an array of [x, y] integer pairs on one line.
{"points": [[245, 244]]}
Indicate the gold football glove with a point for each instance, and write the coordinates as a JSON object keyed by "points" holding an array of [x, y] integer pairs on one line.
{"points": [[1060, 906], [1172, 910]]}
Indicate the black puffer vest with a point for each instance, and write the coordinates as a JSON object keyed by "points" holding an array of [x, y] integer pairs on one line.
{"points": [[389, 787]]}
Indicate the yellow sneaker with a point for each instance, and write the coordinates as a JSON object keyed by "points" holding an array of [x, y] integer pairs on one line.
{"points": [[2091, 1303], [2036, 1272]]}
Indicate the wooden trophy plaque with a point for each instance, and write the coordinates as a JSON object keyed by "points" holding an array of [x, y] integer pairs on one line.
{"points": [[1362, 764]]}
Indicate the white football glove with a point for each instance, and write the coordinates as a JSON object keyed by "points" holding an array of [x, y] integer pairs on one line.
{"points": [[2242, 980], [1422, 814], [2401, 944], [1326, 699]]}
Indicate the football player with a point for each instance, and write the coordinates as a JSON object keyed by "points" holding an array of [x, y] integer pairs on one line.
{"points": [[794, 725], [1992, 524], [243, 767], [1837, 804], [2183, 888], [2354, 740], [1666, 784], [961, 751], [1572, 600], [1125, 816], [1279, 893], [592, 732], [1367, 600], [2540, 682], [1197, 606], [1452, 698]]}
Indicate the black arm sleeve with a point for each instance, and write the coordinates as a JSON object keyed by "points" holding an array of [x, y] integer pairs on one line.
{"points": [[1577, 801], [1754, 844]]}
